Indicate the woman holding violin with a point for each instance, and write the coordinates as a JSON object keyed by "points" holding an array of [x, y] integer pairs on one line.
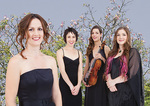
{"points": [[95, 95]]}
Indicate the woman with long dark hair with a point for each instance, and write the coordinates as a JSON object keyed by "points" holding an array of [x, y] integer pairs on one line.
{"points": [[124, 72], [96, 95]]}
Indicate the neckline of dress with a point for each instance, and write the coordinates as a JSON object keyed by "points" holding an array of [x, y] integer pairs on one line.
{"points": [[72, 59], [34, 70]]}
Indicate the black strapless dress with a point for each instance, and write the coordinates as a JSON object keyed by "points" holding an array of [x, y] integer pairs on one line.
{"points": [[35, 88]]}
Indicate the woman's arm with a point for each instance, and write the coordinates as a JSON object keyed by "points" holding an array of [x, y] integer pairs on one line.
{"points": [[62, 68], [85, 70], [80, 69], [113, 82], [12, 81], [86, 66], [112, 87], [56, 95]]}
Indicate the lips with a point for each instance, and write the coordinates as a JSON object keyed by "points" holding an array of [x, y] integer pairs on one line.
{"points": [[121, 40], [36, 38], [94, 37], [71, 43]]}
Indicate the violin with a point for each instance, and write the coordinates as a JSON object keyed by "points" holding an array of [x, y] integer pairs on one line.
{"points": [[91, 75]]}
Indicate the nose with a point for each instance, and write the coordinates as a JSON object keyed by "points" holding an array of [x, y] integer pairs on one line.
{"points": [[35, 32], [71, 39]]}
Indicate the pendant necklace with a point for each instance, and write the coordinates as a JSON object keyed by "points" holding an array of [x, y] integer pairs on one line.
{"points": [[119, 51]]}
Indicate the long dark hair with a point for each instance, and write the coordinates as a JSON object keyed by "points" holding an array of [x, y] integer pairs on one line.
{"points": [[125, 55], [91, 42], [23, 29]]}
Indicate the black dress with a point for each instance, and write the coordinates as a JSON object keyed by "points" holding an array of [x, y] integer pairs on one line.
{"points": [[71, 68], [128, 93], [97, 95], [35, 88]]}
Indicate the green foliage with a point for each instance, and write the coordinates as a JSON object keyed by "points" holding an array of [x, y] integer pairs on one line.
{"points": [[147, 94], [4, 58], [48, 52]]}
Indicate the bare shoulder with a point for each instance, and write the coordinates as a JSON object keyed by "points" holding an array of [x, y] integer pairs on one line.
{"points": [[80, 52], [15, 64], [17, 59], [59, 52], [106, 48]]}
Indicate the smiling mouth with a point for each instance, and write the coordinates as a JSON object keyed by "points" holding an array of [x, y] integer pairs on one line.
{"points": [[121, 40], [71, 42], [36, 38], [94, 37]]}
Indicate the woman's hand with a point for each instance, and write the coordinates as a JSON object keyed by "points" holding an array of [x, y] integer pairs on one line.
{"points": [[75, 90], [86, 84], [99, 56], [71, 87], [110, 83], [113, 89]]}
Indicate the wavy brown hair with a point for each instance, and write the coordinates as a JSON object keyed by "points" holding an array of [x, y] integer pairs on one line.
{"points": [[91, 42], [23, 30]]}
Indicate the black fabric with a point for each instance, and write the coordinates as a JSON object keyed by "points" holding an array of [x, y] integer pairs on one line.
{"points": [[123, 93], [44, 102], [35, 88], [135, 80], [97, 95], [71, 68], [130, 93]]}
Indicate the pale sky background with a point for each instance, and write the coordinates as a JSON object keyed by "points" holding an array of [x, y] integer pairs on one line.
{"points": [[138, 11]]}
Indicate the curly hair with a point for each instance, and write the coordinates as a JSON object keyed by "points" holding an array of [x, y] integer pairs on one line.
{"points": [[23, 29], [91, 42]]}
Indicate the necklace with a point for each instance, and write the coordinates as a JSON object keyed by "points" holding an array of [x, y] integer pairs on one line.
{"points": [[119, 51]]}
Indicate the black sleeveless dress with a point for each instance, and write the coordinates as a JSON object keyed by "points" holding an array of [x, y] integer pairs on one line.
{"points": [[71, 68], [35, 88], [97, 95]]}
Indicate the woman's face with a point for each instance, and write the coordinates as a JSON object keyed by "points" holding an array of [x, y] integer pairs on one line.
{"points": [[70, 39], [35, 33], [121, 37], [96, 35]]}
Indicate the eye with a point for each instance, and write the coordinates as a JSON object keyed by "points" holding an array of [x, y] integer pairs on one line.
{"points": [[30, 29], [96, 32], [40, 29], [124, 34], [118, 34]]}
